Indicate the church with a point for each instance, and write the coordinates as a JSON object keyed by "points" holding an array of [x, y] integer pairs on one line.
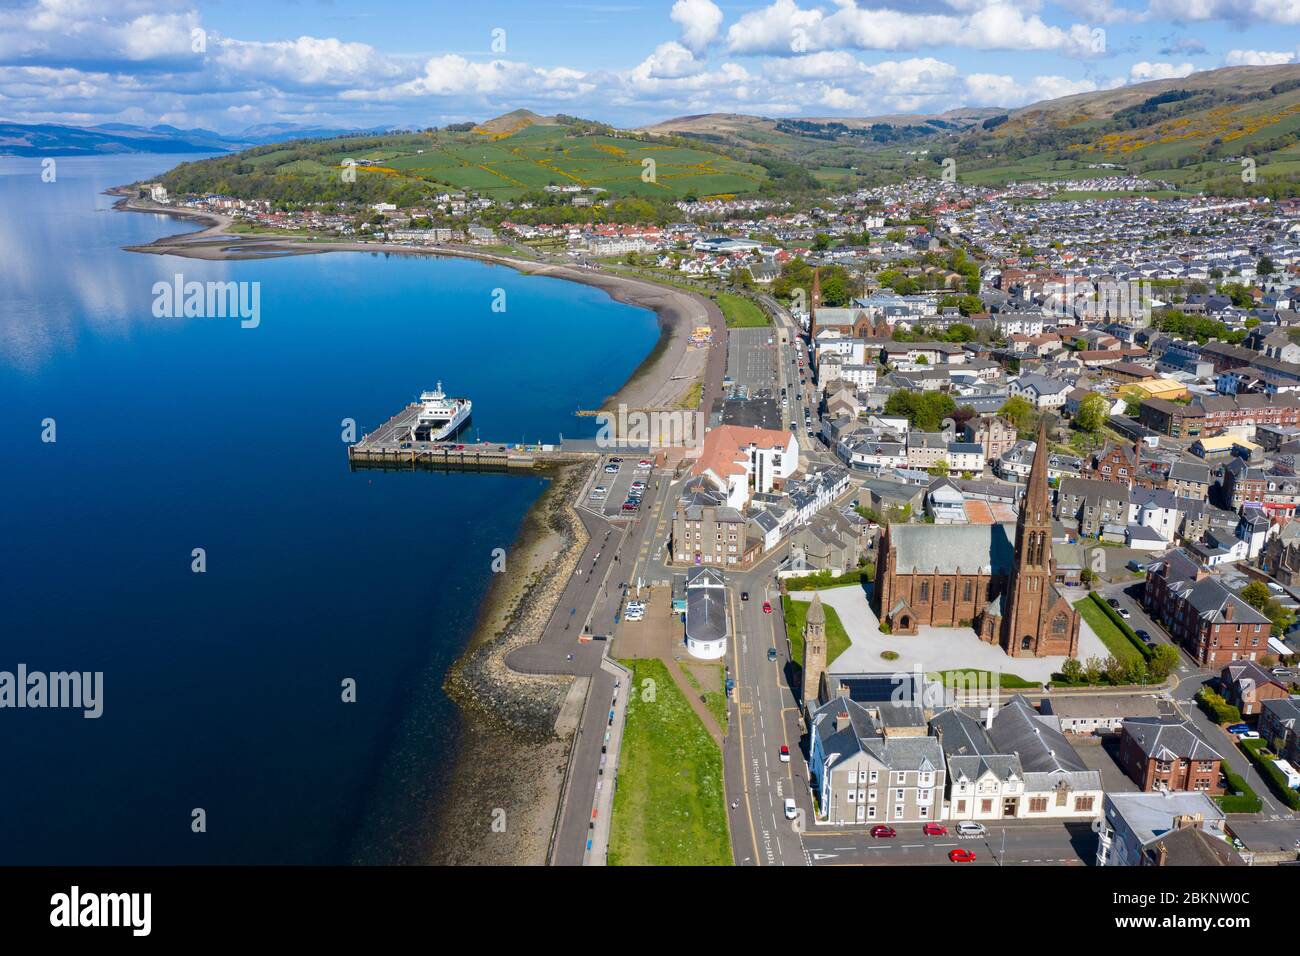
{"points": [[999, 579]]}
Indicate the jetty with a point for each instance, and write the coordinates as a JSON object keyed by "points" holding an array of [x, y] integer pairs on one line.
{"points": [[390, 448]]}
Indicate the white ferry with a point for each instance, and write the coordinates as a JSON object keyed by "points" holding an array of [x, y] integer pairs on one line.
{"points": [[440, 417]]}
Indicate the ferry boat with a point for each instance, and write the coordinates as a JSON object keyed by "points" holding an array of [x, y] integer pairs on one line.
{"points": [[440, 417]]}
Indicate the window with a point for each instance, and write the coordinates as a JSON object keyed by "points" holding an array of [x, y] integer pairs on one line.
{"points": [[986, 806], [1058, 625], [1037, 804], [966, 592], [875, 776], [1083, 804], [925, 593]]}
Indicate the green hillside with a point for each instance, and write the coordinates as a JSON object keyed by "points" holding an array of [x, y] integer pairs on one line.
{"points": [[496, 159]]}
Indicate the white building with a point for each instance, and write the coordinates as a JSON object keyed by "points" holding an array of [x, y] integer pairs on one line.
{"points": [[738, 460], [706, 613]]}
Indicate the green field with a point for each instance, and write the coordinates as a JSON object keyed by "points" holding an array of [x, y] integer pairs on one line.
{"points": [[796, 614], [670, 808], [742, 313]]}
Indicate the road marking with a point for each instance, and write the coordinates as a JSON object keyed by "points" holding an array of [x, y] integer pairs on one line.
{"points": [[824, 856]]}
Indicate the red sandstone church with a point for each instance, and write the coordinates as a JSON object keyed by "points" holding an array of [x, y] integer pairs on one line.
{"points": [[999, 579]]}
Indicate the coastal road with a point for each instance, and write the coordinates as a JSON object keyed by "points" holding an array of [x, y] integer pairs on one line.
{"points": [[1011, 844]]}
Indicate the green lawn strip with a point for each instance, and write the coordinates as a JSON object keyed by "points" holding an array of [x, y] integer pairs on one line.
{"points": [[1110, 629], [973, 676], [670, 807], [715, 700], [796, 613], [1255, 751], [741, 313]]}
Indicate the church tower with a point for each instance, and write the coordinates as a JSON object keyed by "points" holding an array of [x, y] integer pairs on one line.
{"points": [[1030, 590], [812, 306], [814, 654]]}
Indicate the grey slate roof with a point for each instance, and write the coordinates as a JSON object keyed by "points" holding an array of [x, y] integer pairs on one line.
{"points": [[1166, 738], [1041, 747], [986, 549]]}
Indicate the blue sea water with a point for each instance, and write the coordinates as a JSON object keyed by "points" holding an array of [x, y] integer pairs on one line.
{"points": [[222, 690]]}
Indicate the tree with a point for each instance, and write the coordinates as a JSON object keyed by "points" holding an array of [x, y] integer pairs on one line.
{"points": [[1072, 670], [924, 410], [939, 469], [1266, 266], [1164, 658], [1256, 594], [1019, 411], [1092, 413]]}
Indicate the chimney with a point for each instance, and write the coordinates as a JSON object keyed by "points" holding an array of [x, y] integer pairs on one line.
{"points": [[841, 720], [1227, 610], [1162, 854]]}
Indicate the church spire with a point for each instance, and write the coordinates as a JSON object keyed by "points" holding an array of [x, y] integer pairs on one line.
{"points": [[1037, 504]]}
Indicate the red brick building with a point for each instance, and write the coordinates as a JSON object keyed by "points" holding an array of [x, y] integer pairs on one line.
{"points": [[1211, 623], [1164, 753]]}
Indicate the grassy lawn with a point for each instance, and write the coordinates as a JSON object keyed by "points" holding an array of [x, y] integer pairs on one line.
{"points": [[1105, 628], [715, 700], [741, 313], [692, 397], [1009, 681], [796, 612], [670, 808]]}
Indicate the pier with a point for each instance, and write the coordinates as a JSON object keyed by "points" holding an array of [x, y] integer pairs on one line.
{"points": [[390, 448]]}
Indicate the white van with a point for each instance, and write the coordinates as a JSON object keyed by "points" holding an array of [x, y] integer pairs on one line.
{"points": [[1292, 775]]}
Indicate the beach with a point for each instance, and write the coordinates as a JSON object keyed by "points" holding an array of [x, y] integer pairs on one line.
{"points": [[511, 759]]}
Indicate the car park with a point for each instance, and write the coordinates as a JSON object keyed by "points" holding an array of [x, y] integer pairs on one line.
{"points": [[1112, 602], [643, 463]]}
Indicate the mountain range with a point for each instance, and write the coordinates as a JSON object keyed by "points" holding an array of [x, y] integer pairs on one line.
{"points": [[52, 139]]}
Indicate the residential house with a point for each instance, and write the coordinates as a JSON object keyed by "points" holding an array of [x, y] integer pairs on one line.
{"points": [[1136, 823], [1211, 623], [1246, 686], [1166, 753]]}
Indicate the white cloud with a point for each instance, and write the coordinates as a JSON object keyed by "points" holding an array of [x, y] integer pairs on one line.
{"points": [[1143, 71], [998, 89], [699, 19], [306, 61], [453, 75], [784, 28], [1257, 58], [669, 61], [1241, 11]]}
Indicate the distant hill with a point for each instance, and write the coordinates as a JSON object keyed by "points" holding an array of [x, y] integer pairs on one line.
{"points": [[1191, 132], [51, 139], [518, 154]]}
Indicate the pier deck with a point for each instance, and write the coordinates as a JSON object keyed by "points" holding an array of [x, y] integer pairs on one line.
{"points": [[388, 448]]}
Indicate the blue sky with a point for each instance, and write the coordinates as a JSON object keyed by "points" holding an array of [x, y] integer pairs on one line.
{"points": [[229, 64]]}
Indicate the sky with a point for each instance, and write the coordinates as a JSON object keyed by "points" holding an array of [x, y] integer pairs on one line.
{"points": [[231, 64]]}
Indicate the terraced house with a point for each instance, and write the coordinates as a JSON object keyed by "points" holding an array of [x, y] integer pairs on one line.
{"points": [[866, 771], [1211, 623], [1167, 754]]}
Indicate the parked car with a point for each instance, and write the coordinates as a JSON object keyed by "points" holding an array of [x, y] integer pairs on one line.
{"points": [[1143, 636], [785, 754], [771, 654], [882, 832], [744, 595], [1112, 602], [934, 829], [1124, 613], [790, 810], [961, 855], [1239, 728], [767, 607], [970, 828]]}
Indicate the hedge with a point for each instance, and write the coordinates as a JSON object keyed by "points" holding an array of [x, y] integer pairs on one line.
{"points": [[1216, 708], [1252, 748], [1239, 798], [1122, 624]]}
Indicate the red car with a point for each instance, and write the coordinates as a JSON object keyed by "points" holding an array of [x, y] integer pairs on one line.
{"points": [[785, 754], [961, 855], [880, 832], [934, 829], [767, 607]]}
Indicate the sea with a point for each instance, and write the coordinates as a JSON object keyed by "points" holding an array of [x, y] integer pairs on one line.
{"points": [[177, 514]]}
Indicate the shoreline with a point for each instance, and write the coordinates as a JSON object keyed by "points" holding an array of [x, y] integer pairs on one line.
{"points": [[509, 719]]}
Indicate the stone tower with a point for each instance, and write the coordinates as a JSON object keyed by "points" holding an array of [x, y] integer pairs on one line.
{"points": [[1030, 585], [814, 653]]}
